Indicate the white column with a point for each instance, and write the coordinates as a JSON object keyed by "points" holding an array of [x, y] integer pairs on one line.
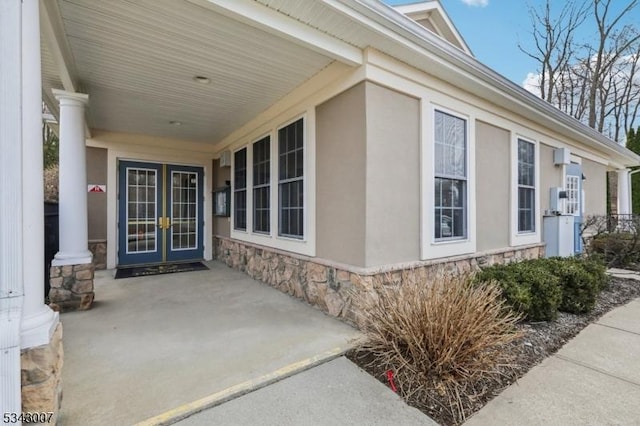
{"points": [[73, 181], [11, 289], [38, 320], [624, 194]]}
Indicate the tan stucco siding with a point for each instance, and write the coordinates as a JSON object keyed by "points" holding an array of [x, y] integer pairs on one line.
{"points": [[492, 186], [340, 176], [550, 176], [393, 177], [97, 201], [595, 187], [221, 225]]}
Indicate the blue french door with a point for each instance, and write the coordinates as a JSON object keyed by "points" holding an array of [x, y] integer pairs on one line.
{"points": [[160, 217], [573, 186]]}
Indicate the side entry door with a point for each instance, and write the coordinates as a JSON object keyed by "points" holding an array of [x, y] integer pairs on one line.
{"points": [[575, 205]]}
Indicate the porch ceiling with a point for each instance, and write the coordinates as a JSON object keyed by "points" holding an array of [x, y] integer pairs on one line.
{"points": [[137, 61]]}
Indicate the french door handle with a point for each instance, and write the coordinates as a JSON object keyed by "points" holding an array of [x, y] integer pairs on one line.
{"points": [[164, 222]]}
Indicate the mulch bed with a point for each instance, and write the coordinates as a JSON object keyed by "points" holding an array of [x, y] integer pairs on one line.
{"points": [[540, 340]]}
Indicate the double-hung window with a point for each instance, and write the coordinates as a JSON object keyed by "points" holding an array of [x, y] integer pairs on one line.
{"points": [[450, 177], [291, 180], [526, 187], [261, 185], [240, 190]]}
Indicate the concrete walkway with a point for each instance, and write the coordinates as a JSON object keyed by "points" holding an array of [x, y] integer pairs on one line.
{"points": [[152, 346], [335, 393], [593, 380], [156, 350]]}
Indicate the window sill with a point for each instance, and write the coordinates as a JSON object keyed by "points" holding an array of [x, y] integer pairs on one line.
{"points": [[293, 245], [450, 241], [524, 238], [447, 248]]}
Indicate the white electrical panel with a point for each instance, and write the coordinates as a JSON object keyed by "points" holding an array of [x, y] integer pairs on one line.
{"points": [[558, 235]]}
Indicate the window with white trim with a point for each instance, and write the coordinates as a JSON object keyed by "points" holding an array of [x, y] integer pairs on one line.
{"points": [[240, 189], [526, 187], [261, 185], [450, 202], [291, 180]]}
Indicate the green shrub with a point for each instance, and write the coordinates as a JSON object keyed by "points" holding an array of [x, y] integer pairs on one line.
{"points": [[528, 287], [582, 280], [596, 267], [580, 288], [538, 288], [546, 293], [515, 292]]}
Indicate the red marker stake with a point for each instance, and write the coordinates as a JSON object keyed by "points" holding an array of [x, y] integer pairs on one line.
{"points": [[391, 383]]}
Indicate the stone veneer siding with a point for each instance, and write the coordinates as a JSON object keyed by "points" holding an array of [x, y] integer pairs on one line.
{"points": [[331, 287], [41, 375], [71, 287], [99, 250]]}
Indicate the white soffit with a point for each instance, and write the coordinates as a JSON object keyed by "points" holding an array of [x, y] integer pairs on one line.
{"points": [[50, 79], [137, 61]]}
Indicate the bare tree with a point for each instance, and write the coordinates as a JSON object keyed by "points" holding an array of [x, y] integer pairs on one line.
{"points": [[597, 83], [553, 38], [613, 42]]}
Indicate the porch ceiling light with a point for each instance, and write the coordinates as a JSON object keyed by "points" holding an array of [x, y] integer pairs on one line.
{"points": [[175, 123], [201, 79]]}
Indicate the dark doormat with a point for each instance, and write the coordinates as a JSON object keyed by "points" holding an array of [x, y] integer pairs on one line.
{"points": [[140, 271]]}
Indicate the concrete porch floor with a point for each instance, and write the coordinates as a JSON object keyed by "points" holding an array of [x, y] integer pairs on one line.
{"points": [[151, 344]]}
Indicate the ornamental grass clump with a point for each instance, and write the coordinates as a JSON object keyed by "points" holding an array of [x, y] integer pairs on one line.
{"points": [[447, 336]]}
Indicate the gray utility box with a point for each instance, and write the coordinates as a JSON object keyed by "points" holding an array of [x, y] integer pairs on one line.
{"points": [[558, 235]]}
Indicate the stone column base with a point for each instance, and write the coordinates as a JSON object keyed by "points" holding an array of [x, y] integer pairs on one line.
{"points": [[71, 287], [41, 373], [99, 250]]}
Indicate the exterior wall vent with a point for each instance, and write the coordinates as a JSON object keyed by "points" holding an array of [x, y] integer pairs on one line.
{"points": [[225, 159], [561, 156]]}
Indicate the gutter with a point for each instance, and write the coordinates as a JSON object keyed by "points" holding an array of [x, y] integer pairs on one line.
{"points": [[405, 27]]}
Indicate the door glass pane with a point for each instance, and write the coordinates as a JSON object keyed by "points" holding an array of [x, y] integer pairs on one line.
{"points": [[573, 194], [184, 211], [141, 210]]}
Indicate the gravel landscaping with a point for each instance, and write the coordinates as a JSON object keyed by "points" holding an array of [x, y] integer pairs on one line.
{"points": [[539, 340]]}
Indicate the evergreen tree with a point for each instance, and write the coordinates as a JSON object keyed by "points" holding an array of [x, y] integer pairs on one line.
{"points": [[633, 143], [50, 146]]}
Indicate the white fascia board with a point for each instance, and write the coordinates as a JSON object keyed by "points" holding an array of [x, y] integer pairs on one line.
{"points": [[273, 22], [410, 35]]}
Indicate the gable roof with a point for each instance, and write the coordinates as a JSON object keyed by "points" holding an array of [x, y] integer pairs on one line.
{"points": [[431, 15]]}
